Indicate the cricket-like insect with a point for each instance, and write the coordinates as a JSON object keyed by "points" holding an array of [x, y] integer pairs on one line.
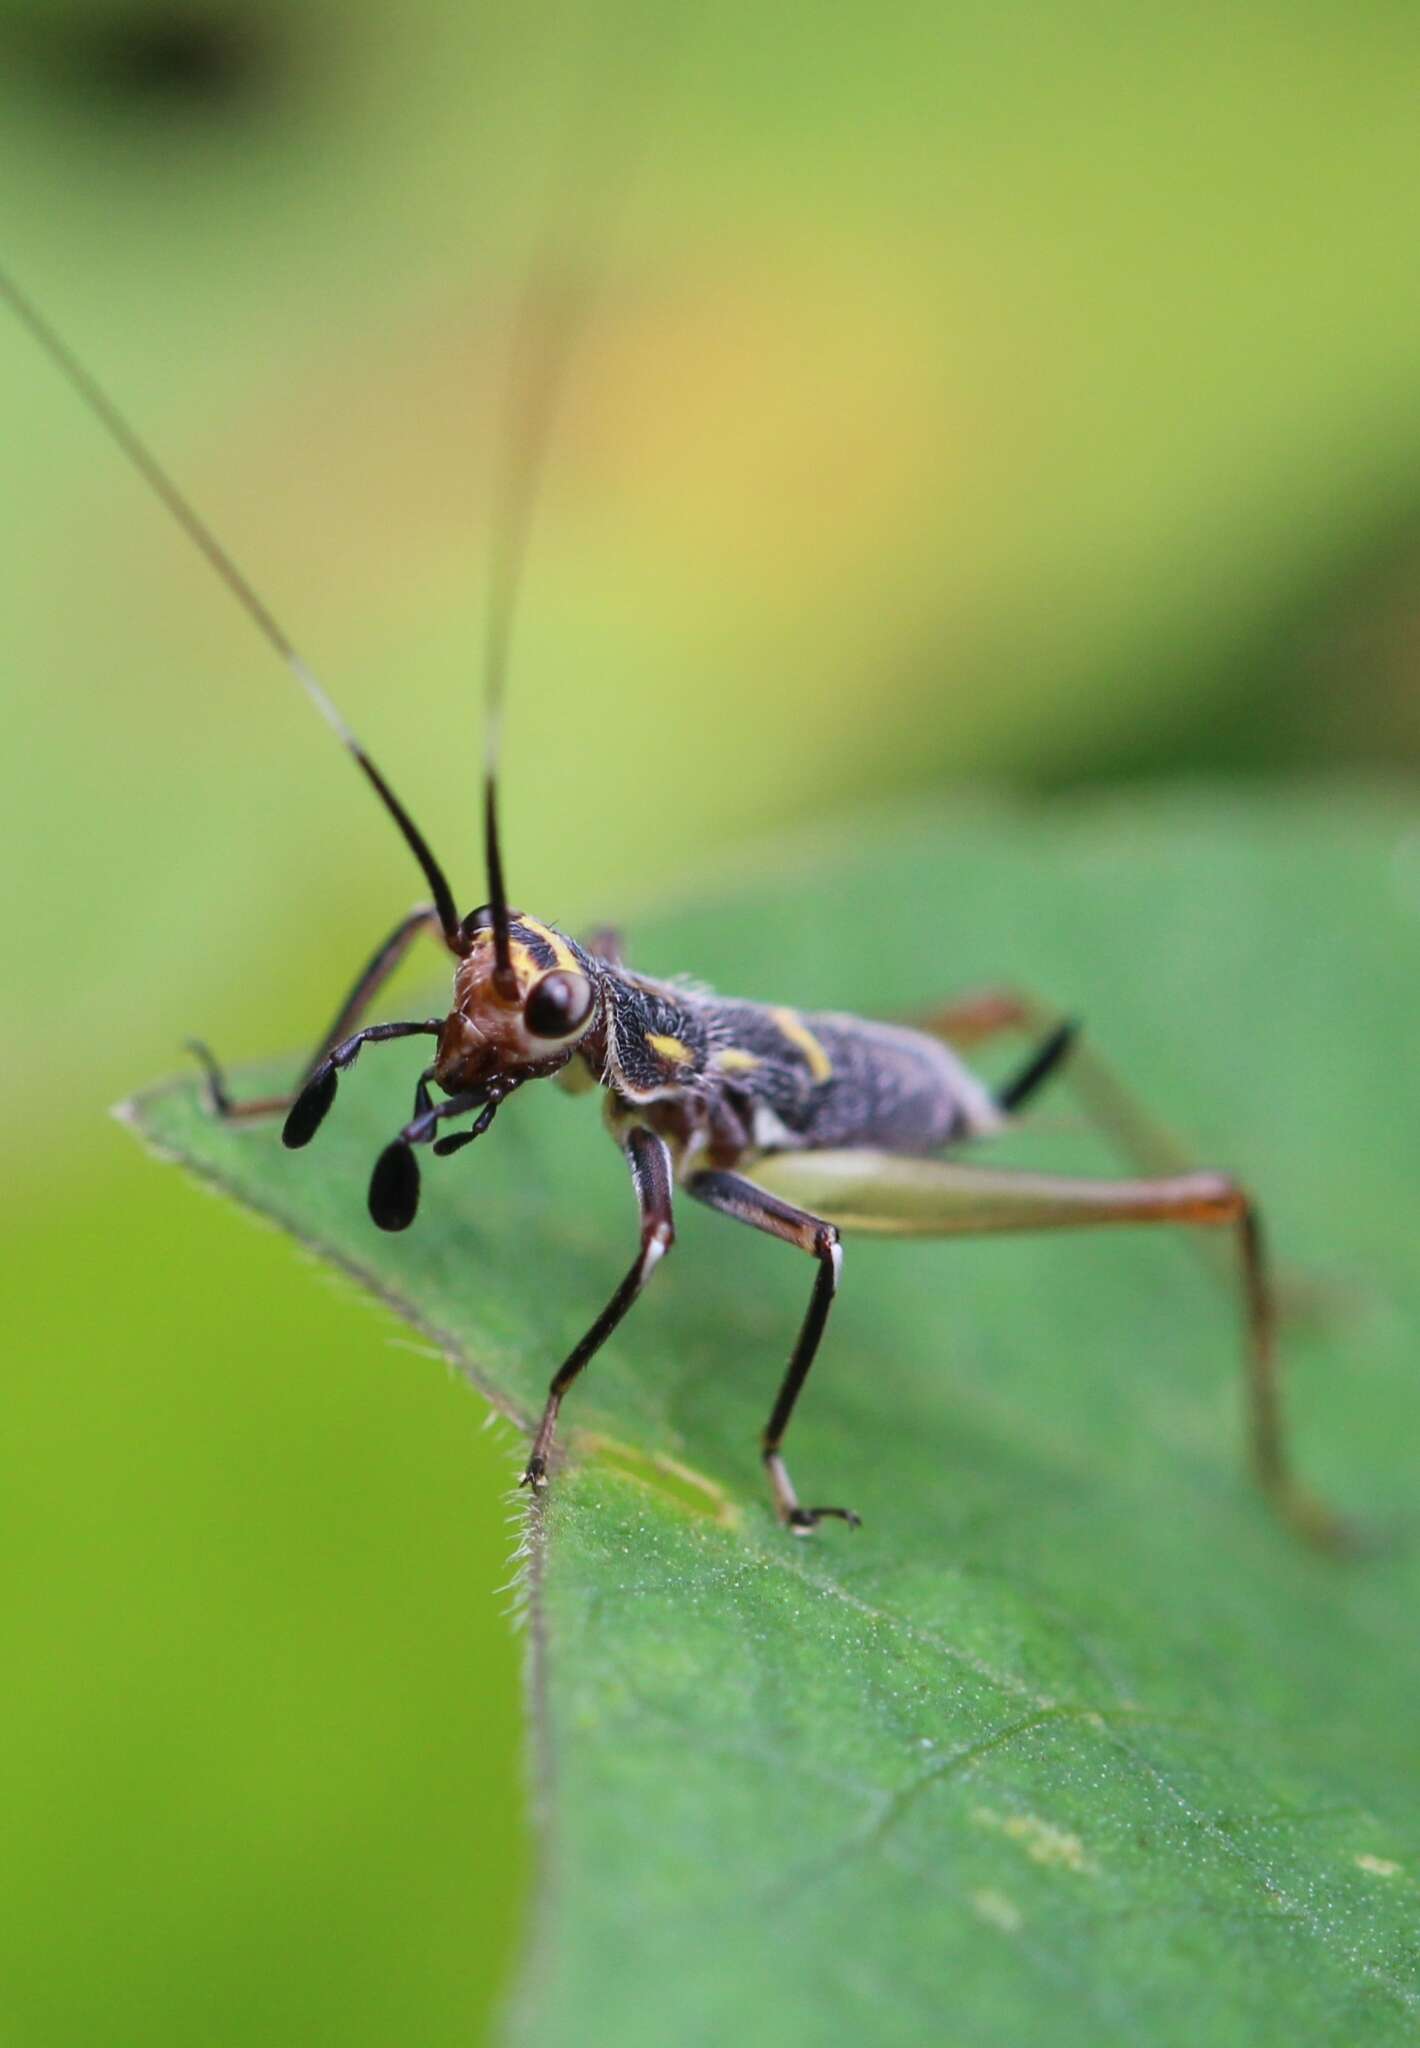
{"points": [[798, 1124]]}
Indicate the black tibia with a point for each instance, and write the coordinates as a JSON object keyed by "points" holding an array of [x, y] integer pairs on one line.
{"points": [[308, 1110], [739, 1198], [394, 1184], [371, 978], [1048, 1055], [650, 1162], [972, 1019]]}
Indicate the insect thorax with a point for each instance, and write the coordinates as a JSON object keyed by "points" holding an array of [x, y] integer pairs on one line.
{"points": [[724, 1078]]}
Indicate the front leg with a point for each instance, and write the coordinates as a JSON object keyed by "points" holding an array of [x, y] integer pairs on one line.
{"points": [[734, 1196], [650, 1163], [368, 983]]}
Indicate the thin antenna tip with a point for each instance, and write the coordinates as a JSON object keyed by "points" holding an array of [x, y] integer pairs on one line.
{"points": [[309, 682]]}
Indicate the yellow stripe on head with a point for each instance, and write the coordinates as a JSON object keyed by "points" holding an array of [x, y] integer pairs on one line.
{"points": [[525, 966], [523, 952], [566, 958]]}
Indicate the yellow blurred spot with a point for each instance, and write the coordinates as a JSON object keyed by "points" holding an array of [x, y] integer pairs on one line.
{"points": [[1042, 1841], [731, 1059], [673, 1049], [798, 1033], [997, 1911], [566, 958], [666, 1476]]}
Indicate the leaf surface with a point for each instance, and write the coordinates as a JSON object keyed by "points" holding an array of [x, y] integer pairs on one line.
{"points": [[1070, 1743]]}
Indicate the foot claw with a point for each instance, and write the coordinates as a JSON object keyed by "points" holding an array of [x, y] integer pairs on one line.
{"points": [[536, 1474], [803, 1521], [218, 1100], [1320, 1526]]}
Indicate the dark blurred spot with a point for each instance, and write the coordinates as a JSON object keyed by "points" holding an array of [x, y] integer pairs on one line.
{"points": [[1359, 652], [203, 61], [210, 59], [1324, 674]]}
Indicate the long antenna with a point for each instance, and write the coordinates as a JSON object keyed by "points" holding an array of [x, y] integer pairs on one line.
{"points": [[544, 331], [202, 536], [591, 175]]}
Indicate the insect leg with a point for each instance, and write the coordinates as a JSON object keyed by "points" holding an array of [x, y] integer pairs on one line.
{"points": [[1142, 1143], [734, 1196], [606, 943], [368, 983], [1107, 1102], [889, 1194], [650, 1162]]}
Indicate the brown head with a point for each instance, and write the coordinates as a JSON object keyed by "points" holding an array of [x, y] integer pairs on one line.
{"points": [[520, 1013], [520, 1025], [522, 1009]]}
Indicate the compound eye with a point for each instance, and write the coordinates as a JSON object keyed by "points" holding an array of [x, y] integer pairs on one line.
{"points": [[558, 1005], [482, 920]]}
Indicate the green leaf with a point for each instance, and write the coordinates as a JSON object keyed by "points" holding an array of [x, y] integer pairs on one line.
{"points": [[1071, 1742]]}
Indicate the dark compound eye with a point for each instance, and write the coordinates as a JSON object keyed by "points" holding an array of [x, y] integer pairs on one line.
{"points": [[482, 920], [558, 1005]]}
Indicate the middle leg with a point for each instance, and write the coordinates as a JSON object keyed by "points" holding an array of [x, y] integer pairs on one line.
{"points": [[734, 1196]]}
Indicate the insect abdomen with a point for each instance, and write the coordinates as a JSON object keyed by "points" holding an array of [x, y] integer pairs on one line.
{"points": [[894, 1089], [822, 1080]]}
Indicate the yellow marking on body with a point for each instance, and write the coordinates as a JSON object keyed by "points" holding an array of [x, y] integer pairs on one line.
{"points": [[733, 1059], [566, 958], [524, 966], [668, 1048], [798, 1033]]}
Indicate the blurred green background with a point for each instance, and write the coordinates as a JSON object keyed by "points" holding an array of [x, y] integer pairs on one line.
{"points": [[1014, 394]]}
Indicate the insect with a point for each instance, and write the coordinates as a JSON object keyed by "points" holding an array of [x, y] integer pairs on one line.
{"points": [[801, 1125]]}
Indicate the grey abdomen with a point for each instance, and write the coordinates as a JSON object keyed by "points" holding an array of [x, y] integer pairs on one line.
{"points": [[894, 1089]]}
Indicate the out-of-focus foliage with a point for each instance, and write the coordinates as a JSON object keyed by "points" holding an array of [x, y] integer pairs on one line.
{"points": [[967, 393]]}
